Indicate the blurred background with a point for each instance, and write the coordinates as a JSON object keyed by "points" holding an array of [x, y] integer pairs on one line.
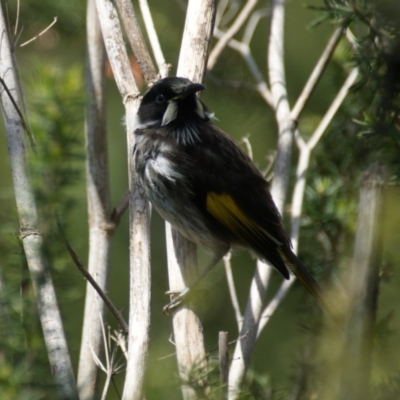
{"points": [[52, 71]]}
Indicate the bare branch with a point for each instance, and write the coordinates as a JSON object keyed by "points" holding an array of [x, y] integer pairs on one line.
{"points": [[234, 28], [305, 153], [363, 286], [115, 47], [139, 210], [39, 34], [299, 189], [232, 290], [274, 303], [98, 198], [19, 112], [92, 281], [135, 37], [30, 235], [317, 73], [337, 102], [163, 67], [120, 209], [244, 50], [276, 66], [248, 333], [223, 358], [260, 282]]}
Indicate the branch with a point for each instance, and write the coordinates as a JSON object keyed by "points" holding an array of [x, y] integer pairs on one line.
{"points": [[139, 210], [317, 73], [299, 190], [120, 209], [182, 260], [136, 41], [223, 358], [234, 28], [31, 237], [232, 290], [39, 34], [260, 282], [248, 333], [276, 66], [243, 48], [98, 198], [363, 286], [163, 67], [79, 264]]}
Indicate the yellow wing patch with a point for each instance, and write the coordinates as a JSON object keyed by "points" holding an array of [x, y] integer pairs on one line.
{"points": [[226, 211], [224, 208]]}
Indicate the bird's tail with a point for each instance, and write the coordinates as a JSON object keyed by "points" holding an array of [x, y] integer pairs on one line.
{"points": [[304, 276]]}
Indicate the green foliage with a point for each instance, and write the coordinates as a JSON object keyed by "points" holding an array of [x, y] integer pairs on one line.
{"points": [[56, 120], [56, 107]]}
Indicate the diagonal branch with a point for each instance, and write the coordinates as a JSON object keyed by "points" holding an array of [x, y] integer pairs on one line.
{"points": [[77, 261], [234, 28], [317, 73], [136, 41]]}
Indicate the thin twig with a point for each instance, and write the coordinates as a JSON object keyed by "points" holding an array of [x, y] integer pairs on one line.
{"points": [[232, 290], [234, 28], [30, 234], [244, 50], [163, 67], [17, 18], [19, 112], [39, 34], [79, 264], [120, 209], [298, 192], [317, 73]]}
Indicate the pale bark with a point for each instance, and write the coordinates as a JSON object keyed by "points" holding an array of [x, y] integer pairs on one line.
{"points": [[98, 198], [363, 286], [139, 210], [30, 235]]}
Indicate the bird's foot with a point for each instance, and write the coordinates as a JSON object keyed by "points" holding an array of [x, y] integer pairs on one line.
{"points": [[177, 300]]}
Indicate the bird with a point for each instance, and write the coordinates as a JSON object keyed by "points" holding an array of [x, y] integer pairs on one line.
{"points": [[205, 185]]}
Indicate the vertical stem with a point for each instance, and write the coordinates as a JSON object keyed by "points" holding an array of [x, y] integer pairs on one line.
{"points": [[182, 260], [277, 78], [363, 287], [223, 357], [30, 234], [139, 210], [259, 285], [100, 227]]}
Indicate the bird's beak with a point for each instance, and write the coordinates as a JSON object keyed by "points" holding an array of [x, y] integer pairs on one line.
{"points": [[190, 89]]}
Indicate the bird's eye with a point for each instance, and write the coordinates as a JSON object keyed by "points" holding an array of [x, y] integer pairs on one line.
{"points": [[160, 98]]}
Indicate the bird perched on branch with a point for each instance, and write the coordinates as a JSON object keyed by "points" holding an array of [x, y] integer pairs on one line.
{"points": [[203, 183]]}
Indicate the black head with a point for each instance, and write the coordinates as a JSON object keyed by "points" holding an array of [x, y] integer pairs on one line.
{"points": [[171, 101]]}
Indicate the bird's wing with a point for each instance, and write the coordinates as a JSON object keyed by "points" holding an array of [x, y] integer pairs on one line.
{"points": [[246, 231]]}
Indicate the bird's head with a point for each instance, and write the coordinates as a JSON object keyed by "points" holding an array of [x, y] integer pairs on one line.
{"points": [[171, 102]]}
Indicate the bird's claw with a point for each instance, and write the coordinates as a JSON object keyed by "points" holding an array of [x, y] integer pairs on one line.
{"points": [[179, 297]]}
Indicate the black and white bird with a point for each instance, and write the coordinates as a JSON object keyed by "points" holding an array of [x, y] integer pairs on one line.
{"points": [[203, 183]]}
